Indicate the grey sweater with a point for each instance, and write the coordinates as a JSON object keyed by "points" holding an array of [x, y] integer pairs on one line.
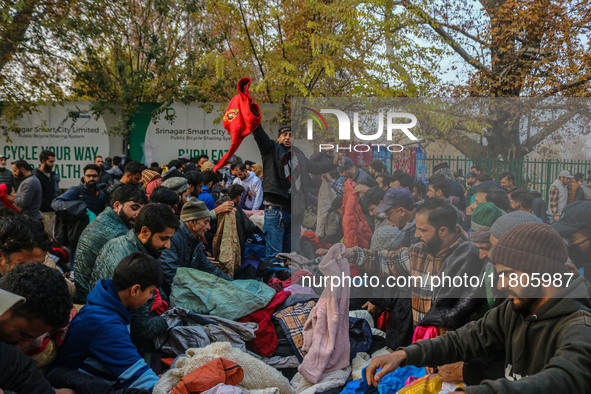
{"points": [[548, 351], [28, 197]]}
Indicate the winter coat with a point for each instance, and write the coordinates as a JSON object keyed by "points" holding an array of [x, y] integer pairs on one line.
{"points": [[204, 293], [207, 198], [547, 351], [19, 373], [226, 244], [6, 176], [583, 192], [256, 187], [28, 197], [355, 226], [105, 227], [98, 342], [363, 178], [186, 250], [276, 185], [143, 325], [49, 188], [94, 202]]}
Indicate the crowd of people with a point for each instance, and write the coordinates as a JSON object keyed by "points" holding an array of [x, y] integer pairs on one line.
{"points": [[135, 279]]}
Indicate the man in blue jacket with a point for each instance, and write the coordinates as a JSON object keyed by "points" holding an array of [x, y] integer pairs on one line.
{"points": [[98, 341]]}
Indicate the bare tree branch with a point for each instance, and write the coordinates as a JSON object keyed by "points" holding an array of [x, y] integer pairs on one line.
{"points": [[541, 135], [446, 36], [577, 82], [462, 32]]}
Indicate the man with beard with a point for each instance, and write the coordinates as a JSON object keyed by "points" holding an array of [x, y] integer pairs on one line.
{"points": [[399, 209], [252, 184], [544, 330], [5, 173], [441, 247], [48, 179], [287, 176], [87, 192], [72, 206], [151, 234], [113, 222], [575, 226], [28, 194]]}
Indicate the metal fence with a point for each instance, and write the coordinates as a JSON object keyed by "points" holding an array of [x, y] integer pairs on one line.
{"points": [[536, 174]]}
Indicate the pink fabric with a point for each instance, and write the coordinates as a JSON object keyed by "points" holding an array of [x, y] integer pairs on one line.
{"points": [[153, 185], [326, 332], [425, 332]]}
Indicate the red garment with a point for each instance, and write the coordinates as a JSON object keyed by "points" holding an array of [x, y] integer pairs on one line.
{"points": [[4, 198], [355, 227], [240, 119], [425, 332], [265, 342], [159, 306], [295, 278], [314, 240], [207, 376], [383, 320]]}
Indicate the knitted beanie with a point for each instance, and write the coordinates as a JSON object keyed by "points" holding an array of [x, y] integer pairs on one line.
{"points": [[148, 176], [510, 220], [208, 165], [484, 216], [194, 210], [386, 238], [531, 248], [480, 236], [177, 184]]}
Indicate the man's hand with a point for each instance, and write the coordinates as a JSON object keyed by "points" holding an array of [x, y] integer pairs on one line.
{"points": [[387, 363], [371, 308], [338, 159], [361, 189], [326, 177], [226, 207], [452, 373], [348, 253]]}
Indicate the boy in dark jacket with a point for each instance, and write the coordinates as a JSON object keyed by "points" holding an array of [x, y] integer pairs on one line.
{"points": [[98, 340], [544, 330]]}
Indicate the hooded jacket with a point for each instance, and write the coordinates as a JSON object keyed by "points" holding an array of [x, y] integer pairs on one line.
{"points": [[105, 227], [548, 351], [99, 344], [143, 326], [186, 250]]}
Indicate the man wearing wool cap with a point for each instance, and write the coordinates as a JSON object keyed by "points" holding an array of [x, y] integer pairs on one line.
{"points": [[545, 331], [186, 248]]}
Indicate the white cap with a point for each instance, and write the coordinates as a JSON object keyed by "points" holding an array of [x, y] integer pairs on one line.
{"points": [[565, 173], [8, 300]]}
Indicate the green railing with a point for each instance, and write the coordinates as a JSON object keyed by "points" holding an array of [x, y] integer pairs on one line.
{"points": [[536, 174]]}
